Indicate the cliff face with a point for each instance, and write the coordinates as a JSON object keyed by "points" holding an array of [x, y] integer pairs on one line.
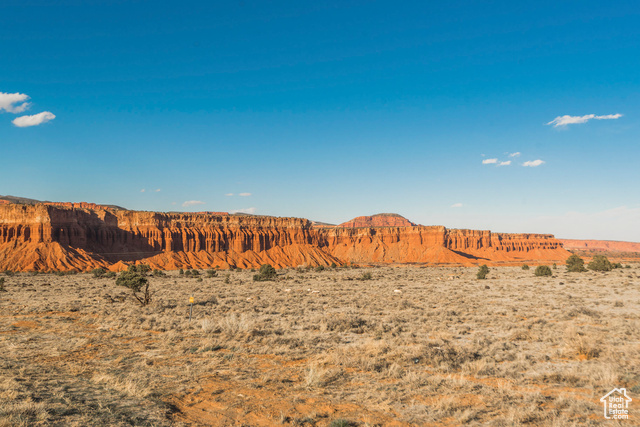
{"points": [[379, 220], [51, 237], [601, 245]]}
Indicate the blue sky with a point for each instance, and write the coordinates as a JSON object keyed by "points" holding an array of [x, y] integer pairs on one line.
{"points": [[330, 110]]}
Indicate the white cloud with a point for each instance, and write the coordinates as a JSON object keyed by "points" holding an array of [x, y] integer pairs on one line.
{"points": [[247, 211], [507, 163], [533, 163], [244, 194], [143, 190], [35, 120], [516, 154], [158, 190], [456, 205], [229, 194], [572, 120], [489, 161], [9, 102], [192, 203]]}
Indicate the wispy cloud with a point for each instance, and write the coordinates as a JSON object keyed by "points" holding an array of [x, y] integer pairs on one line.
{"points": [[35, 120], [143, 190], [246, 210], [516, 154], [13, 102], [489, 161], [456, 205], [158, 190], [244, 194], [229, 194], [507, 163], [572, 120], [192, 203], [533, 163]]}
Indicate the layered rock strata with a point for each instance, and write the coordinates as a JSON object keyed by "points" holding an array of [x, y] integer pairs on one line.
{"points": [[48, 237]]}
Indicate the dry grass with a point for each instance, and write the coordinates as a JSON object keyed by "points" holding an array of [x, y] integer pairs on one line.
{"points": [[410, 346]]}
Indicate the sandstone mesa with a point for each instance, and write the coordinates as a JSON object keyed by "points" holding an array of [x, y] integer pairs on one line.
{"points": [[83, 236]]}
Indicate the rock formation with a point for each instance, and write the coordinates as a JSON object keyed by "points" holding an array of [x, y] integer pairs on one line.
{"points": [[83, 236], [600, 245], [378, 220]]}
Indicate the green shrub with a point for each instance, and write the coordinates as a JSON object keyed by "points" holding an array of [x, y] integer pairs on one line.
{"points": [[333, 265], [543, 270], [181, 272], [158, 273], [266, 272], [98, 272], [366, 276], [2, 289], [575, 264], [616, 265], [9, 273], [555, 266], [341, 422], [211, 273], [525, 267], [482, 272], [319, 268], [600, 263], [137, 283], [192, 273]]}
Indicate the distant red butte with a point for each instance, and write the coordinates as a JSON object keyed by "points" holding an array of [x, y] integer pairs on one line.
{"points": [[48, 237], [600, 245], [378, 220]]}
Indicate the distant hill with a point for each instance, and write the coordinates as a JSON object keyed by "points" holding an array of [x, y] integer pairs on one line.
{"points": [[600, 245], [378, 220], [27, 201]]}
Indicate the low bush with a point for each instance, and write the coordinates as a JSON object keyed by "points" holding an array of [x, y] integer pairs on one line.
{"points": [[98, 273], [543, 270], [2, 289], [575, 264], [600, 263], [525, 267], [211, 273], [482, 272], [137, 283], [266, 272], [366, 276]]}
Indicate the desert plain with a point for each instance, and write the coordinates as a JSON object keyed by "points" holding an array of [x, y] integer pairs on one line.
{"points": [[374, 346]]}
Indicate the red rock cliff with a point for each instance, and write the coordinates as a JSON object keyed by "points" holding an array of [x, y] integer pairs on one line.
{"points": [[49, 237], [601, 245]]}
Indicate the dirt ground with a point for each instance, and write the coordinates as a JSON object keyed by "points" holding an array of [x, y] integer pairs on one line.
{"points": [[387, 346]]}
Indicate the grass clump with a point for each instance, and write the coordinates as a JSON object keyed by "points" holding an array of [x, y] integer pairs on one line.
{"points": [[211, 273], [482, 272], [2, 288], [575, 264], [600, 263], [266, 272], [543, 270], [525, 267]]}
